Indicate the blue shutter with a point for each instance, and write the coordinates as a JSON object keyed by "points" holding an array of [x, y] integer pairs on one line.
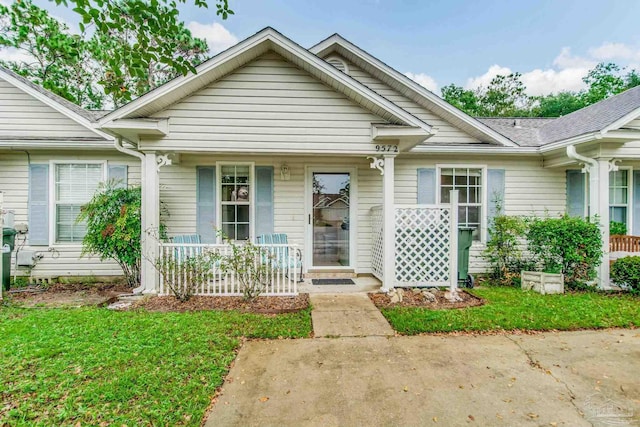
{"points": [[264, 200], [495, 192], [38, 204], [575, 193], [427, 186], [206, 203], [118, 174], [635, 229]]}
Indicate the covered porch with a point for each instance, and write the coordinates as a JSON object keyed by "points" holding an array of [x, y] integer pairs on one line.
{"points": [[335, 213]]}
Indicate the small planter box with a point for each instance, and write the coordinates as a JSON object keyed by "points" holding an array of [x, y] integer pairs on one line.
{"points": [[543, 283]]}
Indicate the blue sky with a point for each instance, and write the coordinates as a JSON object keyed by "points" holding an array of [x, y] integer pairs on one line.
{"points": [[553, 43]]}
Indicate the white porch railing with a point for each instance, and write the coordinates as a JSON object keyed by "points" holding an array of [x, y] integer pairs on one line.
{"points": [[425, 245], [210, 278]]}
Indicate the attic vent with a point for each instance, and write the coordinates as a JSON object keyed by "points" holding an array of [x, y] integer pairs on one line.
{"points": [[338, 63]]}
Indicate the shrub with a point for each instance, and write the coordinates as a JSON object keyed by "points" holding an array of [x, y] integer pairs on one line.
{"points": [[617, 228], [183, 272], [568, 245], [503, 249], [250, 265], [113, 228], [626, 272]]}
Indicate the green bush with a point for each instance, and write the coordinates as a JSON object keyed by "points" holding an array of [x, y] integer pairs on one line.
{"points": [[113, 228], [626, 272], [617, 228], [568, 245], [503, 250]]}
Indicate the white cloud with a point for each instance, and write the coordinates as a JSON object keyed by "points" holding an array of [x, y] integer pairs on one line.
{"points": [[424, 80], [486, 78], [217, 36], [615, 51]]}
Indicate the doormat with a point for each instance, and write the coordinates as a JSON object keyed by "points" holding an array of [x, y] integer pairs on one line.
{"points": [[332, 282]]}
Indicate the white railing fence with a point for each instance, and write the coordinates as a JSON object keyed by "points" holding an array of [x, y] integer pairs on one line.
{"points": [[426, 244], [205, 267]]}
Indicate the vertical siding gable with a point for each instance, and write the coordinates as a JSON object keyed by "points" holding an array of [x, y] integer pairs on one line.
{"points": [[22, 115], [268, 101], [447, 132]]}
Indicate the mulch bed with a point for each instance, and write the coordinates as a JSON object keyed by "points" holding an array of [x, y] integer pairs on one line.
{"points": [[67, 294], [264, 305], [416, 299]]}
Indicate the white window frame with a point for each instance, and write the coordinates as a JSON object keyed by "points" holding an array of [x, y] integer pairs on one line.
{"points": [[629, 204], [484, 209], [252, 195], [53, 195]]}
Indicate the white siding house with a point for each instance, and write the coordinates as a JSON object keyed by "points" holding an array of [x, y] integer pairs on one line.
{"points": [[267, 135]]}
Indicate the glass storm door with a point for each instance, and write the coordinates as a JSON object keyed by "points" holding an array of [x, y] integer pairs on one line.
{"points": [[330, 218]]}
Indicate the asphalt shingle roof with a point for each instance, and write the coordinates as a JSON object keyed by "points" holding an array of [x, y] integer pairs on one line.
{"points": [[592, 118]]}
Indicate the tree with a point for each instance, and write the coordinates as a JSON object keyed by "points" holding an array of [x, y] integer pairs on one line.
{"points": [[464, 99], [151, 29], [58, 60], [123, 77], [504, 96], [98, 68], [604, 81], [560, 104]]}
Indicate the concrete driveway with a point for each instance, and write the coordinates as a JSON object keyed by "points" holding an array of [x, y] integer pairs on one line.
{"points": [[551, 379]]}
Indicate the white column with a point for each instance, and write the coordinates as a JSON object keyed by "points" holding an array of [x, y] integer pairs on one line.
{"points": [[453, 242], [150, 223], [603, 213], [388, 224]]}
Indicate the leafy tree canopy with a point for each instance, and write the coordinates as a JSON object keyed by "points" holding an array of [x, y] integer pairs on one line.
{"points": [[125, 47]]}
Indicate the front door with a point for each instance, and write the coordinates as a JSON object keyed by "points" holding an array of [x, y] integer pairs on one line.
{"points": [[330, 218]]}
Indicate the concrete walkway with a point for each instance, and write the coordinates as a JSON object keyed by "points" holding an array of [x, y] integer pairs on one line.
{"points": [[347, 315], [587, 378]]}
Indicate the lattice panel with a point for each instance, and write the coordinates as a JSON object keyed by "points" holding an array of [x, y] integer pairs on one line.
{"points": [[377, 257], [422, 246]]}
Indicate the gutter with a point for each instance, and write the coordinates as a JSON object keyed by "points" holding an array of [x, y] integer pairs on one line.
{"points": [[573, 154], [117, 143]]}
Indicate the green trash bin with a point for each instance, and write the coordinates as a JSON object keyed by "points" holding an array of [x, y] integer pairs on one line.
{"points": [[8, 239], [465, 238]]}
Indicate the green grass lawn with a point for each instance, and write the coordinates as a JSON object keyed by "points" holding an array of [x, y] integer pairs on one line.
{"points": [[98, 367], [510, 308]]}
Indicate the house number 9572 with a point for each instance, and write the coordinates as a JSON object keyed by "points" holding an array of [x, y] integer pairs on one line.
{"points": [[387, 148]]}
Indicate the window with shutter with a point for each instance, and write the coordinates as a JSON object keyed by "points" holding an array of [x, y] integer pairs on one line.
{"points": [[74, 185]]}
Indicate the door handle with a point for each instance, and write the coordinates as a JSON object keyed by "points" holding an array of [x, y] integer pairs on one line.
{"points": [[309, 219]]}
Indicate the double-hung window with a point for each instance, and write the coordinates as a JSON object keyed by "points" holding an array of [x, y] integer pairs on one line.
{"points": [[619, 189], [468, 181], [74, 185], [236, 200]]}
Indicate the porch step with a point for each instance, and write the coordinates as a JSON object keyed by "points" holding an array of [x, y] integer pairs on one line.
{"points": [[330, 274]]}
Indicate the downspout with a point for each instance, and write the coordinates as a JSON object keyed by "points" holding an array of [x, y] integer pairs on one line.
{"points": [[593, 168], [118, 146]]}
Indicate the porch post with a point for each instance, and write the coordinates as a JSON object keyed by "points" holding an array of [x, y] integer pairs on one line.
{"points": [[389, 226], [150, 222], [604, 166]]}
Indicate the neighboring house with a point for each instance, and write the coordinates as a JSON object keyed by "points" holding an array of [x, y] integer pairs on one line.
{"points": [[274, 118]]}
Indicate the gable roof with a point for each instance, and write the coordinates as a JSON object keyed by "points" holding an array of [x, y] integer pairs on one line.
{"points": [[596, 117], [409, 88], [58, 103], [265, 40]]}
